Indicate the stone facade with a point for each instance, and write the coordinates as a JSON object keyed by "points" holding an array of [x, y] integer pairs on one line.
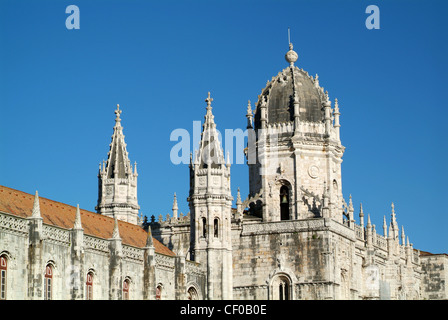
{"points": [[293, 237]]}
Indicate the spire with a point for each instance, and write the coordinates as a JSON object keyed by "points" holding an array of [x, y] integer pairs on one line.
{"points": [[249, 115], [326, 106], [149, 241], [402, 236], [393, 228], [336, 115], [118, 164], [238, 197], [116, 232], [175, 208], [77, 225], [361, 216], [210, 151], [384, 227], [36, 207]]}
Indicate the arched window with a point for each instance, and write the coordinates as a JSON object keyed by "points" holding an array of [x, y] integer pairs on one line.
{"points": [[281, 288], [3, 270], [204, 227], [284, 203], [192, 293], [48, 282], [89, 286], [126, 284], [216, 228], [159, 292]]}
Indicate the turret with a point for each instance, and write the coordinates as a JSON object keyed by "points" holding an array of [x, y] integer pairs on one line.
{"points": [[210, 203], [117, 180]]}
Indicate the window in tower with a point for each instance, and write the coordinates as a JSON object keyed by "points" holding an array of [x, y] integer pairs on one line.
{"points": [[216, 228], [281, 288], [3, 270], [284, 203], [89, 286], [204, 227]]}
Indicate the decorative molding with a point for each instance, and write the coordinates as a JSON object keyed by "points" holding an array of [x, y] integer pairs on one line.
{"points": [[14, 224], [56, 235], [96, 244]]}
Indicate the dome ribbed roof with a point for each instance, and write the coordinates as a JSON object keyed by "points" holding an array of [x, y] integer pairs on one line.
{"points": [[279, 97]]}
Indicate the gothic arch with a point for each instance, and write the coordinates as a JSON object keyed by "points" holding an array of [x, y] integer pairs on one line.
{"points": [[193, 292]]}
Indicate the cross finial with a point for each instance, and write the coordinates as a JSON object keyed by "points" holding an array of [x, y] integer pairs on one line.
{"points": [[209, 100], [118, 113]]}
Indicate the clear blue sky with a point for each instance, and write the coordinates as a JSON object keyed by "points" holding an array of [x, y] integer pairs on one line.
{"points": [[59, 89]]}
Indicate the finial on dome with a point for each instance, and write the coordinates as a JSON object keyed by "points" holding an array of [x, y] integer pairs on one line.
{"points": [[291, 56]]}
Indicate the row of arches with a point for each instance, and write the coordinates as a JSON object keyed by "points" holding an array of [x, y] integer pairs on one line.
{"points": [[215, 227], [192, 292], [286, 202], [48, 276], [90, 283]]}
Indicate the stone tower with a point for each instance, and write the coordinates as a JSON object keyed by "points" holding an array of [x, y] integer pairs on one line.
{"points": [[295, 154], [210, 202], [117, 180]]}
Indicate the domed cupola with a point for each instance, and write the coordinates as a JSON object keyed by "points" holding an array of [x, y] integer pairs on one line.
{"points": [[291, 85]]}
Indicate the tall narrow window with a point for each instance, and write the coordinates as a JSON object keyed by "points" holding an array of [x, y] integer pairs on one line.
{"points": [[283, 291], [89, 286], [284, 203], [126, 289], [3, 269], [215, 228], [48, 282], [159, 292], [204, 227]]}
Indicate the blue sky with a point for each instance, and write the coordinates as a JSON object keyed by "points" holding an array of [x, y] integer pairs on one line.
{"points": [[59, 89]]}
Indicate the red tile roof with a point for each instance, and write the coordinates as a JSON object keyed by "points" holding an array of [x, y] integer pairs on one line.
{"points": [[62, 215]]}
